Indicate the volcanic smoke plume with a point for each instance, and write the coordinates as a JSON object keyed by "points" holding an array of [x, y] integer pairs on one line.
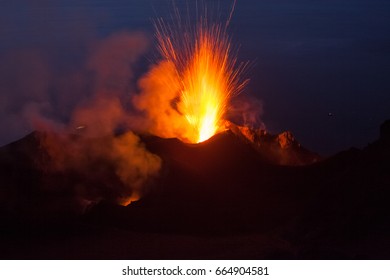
{"points": [[111, 165]]}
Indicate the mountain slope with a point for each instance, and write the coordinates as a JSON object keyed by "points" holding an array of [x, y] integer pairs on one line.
{"points": [[223, 191]]}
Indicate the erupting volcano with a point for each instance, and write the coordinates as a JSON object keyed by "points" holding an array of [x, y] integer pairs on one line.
{"points": [[206, 74], [116, 171]]}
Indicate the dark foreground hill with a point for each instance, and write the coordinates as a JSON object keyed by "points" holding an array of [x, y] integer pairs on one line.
{"points": [[231, 197]]}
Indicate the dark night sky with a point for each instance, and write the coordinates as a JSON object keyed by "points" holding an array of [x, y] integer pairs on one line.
{"points": [[310, 58]]}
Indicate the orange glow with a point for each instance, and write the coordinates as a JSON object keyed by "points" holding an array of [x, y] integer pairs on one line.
{"points": [[206, 71]]}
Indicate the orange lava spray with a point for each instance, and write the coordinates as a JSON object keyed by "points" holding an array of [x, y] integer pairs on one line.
{"points": [[206, 70]]}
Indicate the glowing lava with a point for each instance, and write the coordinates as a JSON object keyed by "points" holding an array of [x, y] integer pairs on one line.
{"points": [[206, 72]]}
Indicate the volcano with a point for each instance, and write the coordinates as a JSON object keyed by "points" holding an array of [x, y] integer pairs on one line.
{"points": [[242, 194]]}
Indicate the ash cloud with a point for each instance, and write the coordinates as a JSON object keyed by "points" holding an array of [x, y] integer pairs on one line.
{"points": [[110, 75], [79, 111], [112, 167]]}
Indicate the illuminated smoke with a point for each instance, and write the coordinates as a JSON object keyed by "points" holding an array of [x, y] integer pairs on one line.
{"points": [[112, 166]]}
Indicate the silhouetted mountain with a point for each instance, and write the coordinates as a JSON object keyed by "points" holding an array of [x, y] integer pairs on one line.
{"points": [[240, 189]]}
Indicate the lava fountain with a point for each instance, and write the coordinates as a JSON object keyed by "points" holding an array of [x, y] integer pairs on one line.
{"points": [[206, 70]]}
